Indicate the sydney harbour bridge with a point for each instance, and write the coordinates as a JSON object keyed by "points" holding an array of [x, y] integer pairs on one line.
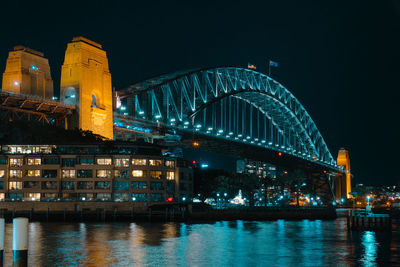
{"points": [[229, 110]]}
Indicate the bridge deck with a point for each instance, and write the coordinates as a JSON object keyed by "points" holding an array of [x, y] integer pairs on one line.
{"points": [[34, 105]]}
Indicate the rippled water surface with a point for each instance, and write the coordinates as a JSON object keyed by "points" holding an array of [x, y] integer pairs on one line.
{"points": [[239, 243]]}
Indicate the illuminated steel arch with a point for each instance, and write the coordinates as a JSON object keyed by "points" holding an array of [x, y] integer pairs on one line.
{"points": [[231, 103]]}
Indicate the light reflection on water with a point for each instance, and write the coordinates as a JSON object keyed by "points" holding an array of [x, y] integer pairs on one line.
{"points": [[237, 243]]}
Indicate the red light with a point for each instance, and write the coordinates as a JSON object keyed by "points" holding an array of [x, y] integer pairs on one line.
{"points": [[279, 154], [193, 162], [170, 199]]}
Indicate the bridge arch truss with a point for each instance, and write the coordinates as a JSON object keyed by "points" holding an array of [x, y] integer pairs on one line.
{"points": [[230, 103]]}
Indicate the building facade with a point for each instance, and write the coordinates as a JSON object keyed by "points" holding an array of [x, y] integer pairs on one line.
{"points": [[27, 72], [124, 173], [86, 84]]}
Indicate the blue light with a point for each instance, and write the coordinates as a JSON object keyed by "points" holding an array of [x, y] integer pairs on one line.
{"points": [[123, 108], [34, 67], [158, 116], [72, 96], [186, 123], [204, 165], [141, 112]]}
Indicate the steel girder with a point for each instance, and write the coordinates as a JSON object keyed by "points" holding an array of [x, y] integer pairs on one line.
{"points": [[233, 103]]}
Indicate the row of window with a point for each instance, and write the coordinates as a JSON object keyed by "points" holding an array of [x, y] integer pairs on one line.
{"points": [[123, 174], [117, 185], [71, 162], [134, 197]]}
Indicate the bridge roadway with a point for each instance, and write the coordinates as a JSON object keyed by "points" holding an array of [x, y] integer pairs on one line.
{"points": [[127, 126], [30, 107]]}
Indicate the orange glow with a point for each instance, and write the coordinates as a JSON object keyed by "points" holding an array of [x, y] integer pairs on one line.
{"points": [[195, 144], [285, 172], [280, 154], [170, 199], [193, 162], [343, 159]]}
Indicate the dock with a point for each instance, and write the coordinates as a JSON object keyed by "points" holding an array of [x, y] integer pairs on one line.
{"points": [[361, 219]]}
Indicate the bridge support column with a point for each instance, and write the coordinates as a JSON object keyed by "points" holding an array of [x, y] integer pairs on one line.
{"points": [[86, 83]]}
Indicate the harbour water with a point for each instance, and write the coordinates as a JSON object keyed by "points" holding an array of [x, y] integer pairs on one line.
{"points": [[226, 243]]}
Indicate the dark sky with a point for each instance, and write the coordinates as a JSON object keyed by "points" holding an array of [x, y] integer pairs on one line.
{"points": [[339, 58]]}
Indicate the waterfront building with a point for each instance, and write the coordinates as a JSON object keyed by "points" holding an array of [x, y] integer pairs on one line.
{"points": [[118, 173]]}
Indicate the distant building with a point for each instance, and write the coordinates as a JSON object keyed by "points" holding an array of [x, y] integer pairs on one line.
{"points": [[27, 72], [123, 173], [259, 168]]}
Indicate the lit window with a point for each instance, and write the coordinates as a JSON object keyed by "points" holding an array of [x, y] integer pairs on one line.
{"points": [[86, 161], [15, 162], [103, 173], [123, 174], [2, 196], [137, 173], [102, 185], [34, 161], [139, 161], [15, 185], [67, 185], [2, 173], [155, 174], [85, 173], [33, 173], [170, 163], [170, 175], [118, 185], [155, 162], [104, 161], [120, 197], [15, 174], [156, 186], [139, 185], [32, 196], [139, 197], [122, 162], [156, 198], [68, 173]]}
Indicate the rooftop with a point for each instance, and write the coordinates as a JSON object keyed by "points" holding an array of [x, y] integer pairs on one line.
{"points": [[28, 50]]}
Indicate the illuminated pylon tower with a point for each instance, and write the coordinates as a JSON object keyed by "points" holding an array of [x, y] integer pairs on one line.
{"points": [[27, 72], [86, 83], [344, 186]]}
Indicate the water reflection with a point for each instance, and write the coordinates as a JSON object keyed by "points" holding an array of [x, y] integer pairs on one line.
{"points": [[370, 248], [236, 243]]}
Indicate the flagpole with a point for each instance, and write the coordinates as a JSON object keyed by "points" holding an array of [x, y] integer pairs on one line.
{"points": [[269, 68]]}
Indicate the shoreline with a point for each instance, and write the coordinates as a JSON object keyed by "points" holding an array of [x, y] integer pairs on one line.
{"points": [[114, 212]]}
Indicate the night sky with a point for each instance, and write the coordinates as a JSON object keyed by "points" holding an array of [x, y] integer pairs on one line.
{"points": [[339, 58]]}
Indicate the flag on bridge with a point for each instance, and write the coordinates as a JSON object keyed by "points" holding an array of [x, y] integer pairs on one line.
{"points": [[273, 63], [251, 66]]}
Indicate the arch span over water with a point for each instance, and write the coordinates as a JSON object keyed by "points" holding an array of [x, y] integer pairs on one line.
{"points": [[231, 103]]}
